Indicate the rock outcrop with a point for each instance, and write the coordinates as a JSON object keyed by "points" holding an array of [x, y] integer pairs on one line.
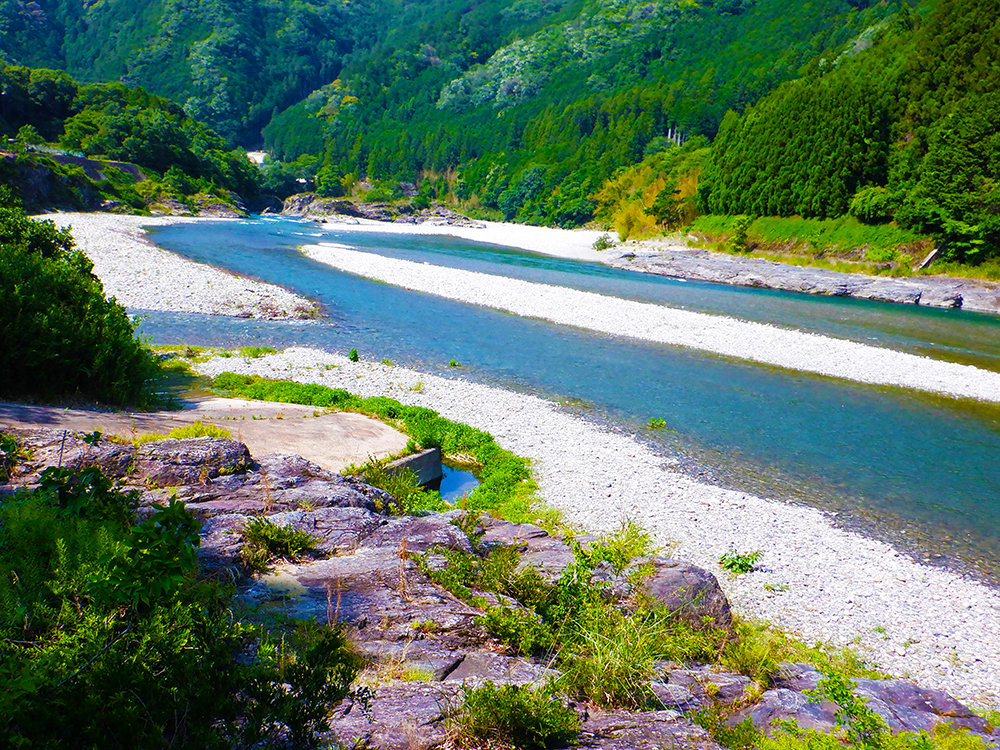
{"points": [[340, 210], [704, 265], [424, 643]]}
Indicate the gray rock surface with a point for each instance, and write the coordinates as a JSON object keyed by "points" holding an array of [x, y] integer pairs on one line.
{"points": [[312, 206], [704, 265]]}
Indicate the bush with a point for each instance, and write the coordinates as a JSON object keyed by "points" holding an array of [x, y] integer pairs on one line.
{"points": [[107, 638], [512, 716], [59, 336], [738, 562], [265, 541]]}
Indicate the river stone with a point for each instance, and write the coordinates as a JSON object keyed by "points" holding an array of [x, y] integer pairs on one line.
{"points": [[782, 704], [650, 730], [398, 716], [691, 592], [479, 666], [189, 461]]}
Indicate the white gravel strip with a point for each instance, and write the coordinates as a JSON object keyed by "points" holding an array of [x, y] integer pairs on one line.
{"points": [[825, 583], [576, 244], [142, 276], [718, 334]]}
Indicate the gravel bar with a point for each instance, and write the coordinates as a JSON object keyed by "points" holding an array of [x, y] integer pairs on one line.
{"points": [[142, 276], [757, 342], [821, 582]]}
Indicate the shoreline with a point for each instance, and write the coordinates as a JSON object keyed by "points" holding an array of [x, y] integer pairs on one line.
{"points": [[717, 334], [142, 276], [818, 580], [664, 257]]}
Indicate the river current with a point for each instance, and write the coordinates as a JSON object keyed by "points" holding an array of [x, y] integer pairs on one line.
{"points": [[918, 469]]}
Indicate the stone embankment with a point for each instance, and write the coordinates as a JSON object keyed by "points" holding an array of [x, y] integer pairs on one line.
{"points": [[364, 574], [704, 265], [141, 276], [343, 211]]}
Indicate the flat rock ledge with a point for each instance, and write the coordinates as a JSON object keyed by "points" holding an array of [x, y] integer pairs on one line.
{"points": [[363, 573], [705, 265], [342, 211]]}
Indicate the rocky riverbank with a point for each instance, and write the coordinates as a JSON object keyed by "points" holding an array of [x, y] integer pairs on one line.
{"points": [[368, 570], [141, 276], [816, 580], [671, 259]]}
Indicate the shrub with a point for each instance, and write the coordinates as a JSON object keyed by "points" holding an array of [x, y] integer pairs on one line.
{"points": [[58, 334], [353, 355], [512, 716], [265, 541], [402, 484], [107, 639], [737, 562], [604, 242]]}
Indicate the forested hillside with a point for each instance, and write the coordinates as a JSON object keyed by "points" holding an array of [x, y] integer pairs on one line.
{"points": [[904, 131], [562, 111], [50, 121]]}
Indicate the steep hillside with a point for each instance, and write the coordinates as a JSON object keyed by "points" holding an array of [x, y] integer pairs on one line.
{"points": [[52, 123], [902, 129]]}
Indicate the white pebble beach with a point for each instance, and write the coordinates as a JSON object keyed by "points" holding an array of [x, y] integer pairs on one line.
{"points": [[141, 276]]}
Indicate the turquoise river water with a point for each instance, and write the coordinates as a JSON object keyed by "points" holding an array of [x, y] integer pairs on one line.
{"points": [[920, 470]]}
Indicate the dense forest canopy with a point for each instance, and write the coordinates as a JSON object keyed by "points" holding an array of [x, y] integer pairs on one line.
{"points": [[562, 111]]}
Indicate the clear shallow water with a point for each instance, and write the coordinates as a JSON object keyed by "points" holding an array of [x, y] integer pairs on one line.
{"points": [[889, 458]]}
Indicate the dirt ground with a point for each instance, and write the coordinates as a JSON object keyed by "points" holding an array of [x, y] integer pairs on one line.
{"points": [[332, 440]]}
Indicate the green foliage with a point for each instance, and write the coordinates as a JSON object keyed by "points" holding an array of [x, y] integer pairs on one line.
{"points": [[657, 423], [256, 352], [505, 483], [353, 355], [10, 453], [265, 541], [196, 429], [410, 497], [604, 242], [107, 639], [897, 130], [512, 716], [740, 562], [59, 336]]}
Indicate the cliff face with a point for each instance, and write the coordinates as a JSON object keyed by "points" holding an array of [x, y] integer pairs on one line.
{"points": [[375, 573]]}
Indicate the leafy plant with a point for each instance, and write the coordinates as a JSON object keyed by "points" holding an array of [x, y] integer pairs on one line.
{"points": [[264, 541], [512, 716], [402, 484], [657, 423], [604, 242], [59, 334], [353, 355], [107, 638], [738, 563], [255, 352]]}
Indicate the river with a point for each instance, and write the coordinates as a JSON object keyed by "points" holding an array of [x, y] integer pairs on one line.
{"points": [[918, 469]]}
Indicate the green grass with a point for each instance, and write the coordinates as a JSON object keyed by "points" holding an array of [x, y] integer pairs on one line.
{"points": [[265, 541], [506, 485], [841, 244], [194, 430], [512, 716]]}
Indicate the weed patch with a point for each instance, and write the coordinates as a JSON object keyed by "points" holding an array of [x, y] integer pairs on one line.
{"points": [[265, 541], [512, 716]]}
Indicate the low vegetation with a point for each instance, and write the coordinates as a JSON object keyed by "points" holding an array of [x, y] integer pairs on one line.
{"points": [[59, 336], [109, 638], [265, 541], [512, 716], [505, 483], [196, 429]]}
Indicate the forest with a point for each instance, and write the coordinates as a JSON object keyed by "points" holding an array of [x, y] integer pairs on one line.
{"points": [[640, 117]]}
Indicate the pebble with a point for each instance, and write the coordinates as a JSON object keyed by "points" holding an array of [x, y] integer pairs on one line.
{"points": [[141, 276]]}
